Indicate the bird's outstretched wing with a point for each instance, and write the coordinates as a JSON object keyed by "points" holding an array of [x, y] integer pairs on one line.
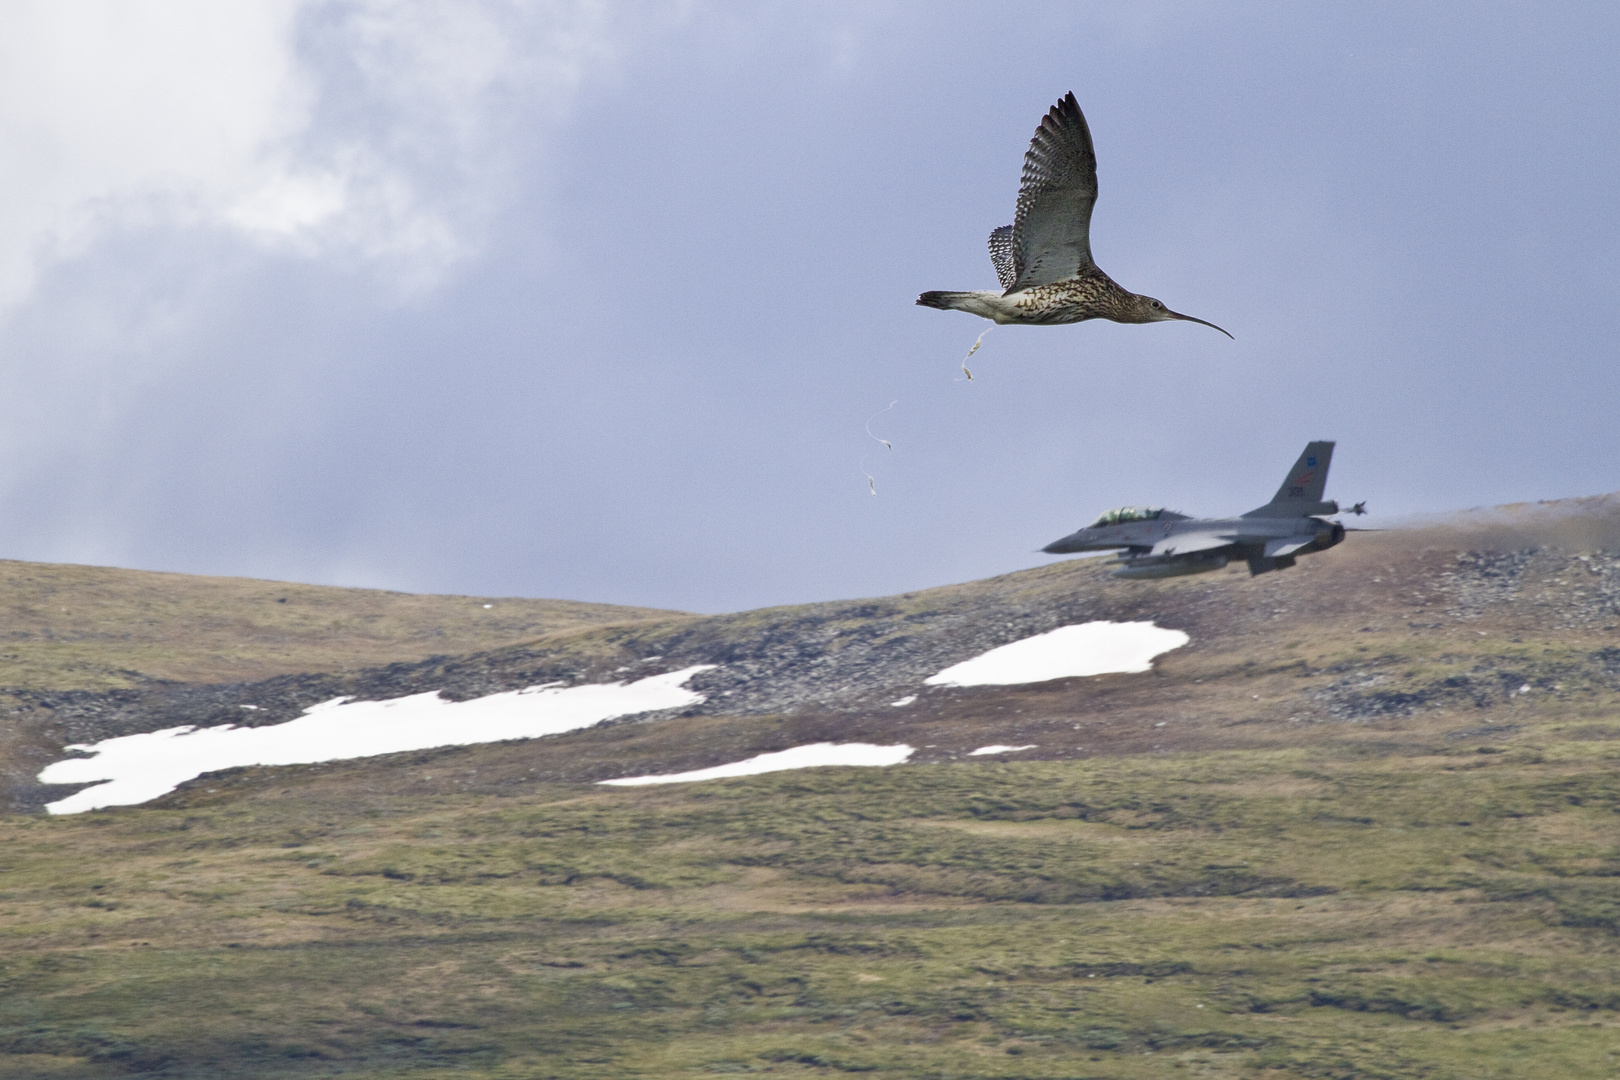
{"points": [[1051, 236], [1001, 256]]}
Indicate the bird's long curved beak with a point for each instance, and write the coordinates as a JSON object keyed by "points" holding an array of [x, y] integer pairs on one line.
{"points": [[1189, 318]]}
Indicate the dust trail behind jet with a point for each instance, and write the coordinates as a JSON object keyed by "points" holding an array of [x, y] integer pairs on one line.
{"points": [[1588, 523]]}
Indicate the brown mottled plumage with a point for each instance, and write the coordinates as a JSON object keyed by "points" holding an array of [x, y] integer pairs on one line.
{"points": [[1044, 258]]}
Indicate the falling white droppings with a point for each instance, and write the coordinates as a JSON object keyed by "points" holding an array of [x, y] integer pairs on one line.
{"points": [[976, 343]]}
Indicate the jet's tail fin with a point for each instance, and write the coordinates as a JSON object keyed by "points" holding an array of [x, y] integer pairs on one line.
{"points": [[1301, 492]]}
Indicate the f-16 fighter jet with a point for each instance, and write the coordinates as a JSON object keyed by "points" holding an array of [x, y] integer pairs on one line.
{"points": [[1162, 543]]}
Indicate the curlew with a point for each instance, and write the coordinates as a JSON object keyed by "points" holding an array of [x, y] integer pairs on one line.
{"points": [[1043, 259]]}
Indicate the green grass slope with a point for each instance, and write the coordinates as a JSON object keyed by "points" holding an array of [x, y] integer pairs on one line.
{"points": [[1446, 911]]}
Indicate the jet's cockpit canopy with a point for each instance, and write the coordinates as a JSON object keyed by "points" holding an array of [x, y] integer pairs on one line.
{"points": [[1126, 514]]}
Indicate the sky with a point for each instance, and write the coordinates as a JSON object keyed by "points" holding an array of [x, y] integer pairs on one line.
{"points": [[614, 301]]}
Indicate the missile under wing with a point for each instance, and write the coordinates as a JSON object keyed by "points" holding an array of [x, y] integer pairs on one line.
{"points": [[1161, 543]]}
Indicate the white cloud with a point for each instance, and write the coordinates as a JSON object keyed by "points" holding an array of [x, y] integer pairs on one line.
{"points": [[107, 103], [372, 129]]}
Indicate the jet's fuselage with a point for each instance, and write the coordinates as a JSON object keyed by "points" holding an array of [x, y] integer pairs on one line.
{"points": [[1150, 534]]}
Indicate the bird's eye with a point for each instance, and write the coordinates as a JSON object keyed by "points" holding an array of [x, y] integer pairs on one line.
{"points": [[1157, 305]]}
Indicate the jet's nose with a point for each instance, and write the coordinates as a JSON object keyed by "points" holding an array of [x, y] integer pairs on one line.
{"points": [[1065, 546]]}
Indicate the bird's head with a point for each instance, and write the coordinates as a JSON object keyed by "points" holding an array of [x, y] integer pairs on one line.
{"points": [[1147, 309]]}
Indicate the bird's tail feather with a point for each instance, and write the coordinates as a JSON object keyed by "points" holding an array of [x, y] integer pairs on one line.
{"points": [[945, 301]]}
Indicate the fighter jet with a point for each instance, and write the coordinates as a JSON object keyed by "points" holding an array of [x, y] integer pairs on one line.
{"points": [[1161, 543]]}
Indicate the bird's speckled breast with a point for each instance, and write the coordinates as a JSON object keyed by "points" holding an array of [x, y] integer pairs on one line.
{"points": [[1074, 300]]}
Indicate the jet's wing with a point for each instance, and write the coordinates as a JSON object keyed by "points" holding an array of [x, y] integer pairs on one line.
{"points": [[1287, 545], [1187, 543]]}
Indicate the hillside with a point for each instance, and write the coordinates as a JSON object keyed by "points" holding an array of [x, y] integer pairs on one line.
{"points": [[1404, 633], [75, 634], [65, 627], [1362, 824]]}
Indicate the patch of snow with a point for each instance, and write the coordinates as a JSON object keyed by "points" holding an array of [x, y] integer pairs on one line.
{"points": [[141, 767], [903, 701], [813, 756], [1093, 648], [998, 749]]}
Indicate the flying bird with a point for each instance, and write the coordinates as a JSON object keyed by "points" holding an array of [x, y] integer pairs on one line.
{"points": [[1043, 259]]}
